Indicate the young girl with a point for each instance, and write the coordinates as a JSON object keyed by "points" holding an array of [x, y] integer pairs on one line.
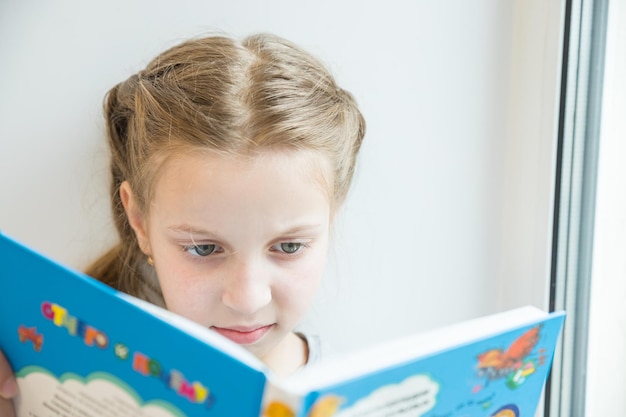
{"points": [[229, 161]]}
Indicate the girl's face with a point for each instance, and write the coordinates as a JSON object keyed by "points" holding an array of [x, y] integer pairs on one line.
{"points": [[239, 245]]}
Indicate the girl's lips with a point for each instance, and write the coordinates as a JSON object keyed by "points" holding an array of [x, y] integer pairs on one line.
{"points": [[243, 336]]}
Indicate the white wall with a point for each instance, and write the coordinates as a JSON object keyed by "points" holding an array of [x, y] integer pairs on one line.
{"points": [[448, 218]]}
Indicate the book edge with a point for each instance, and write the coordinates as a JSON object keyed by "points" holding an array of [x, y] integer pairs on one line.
{"points": [[343, 367]]}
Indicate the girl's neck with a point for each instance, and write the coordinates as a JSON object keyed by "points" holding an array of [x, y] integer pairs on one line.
{"points": [[289, 356]]}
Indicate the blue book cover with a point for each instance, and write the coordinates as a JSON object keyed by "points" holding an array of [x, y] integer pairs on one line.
{"points": [[494, 366], [80, 348]]}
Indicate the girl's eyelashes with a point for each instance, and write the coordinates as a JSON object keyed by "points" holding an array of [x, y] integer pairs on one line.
{"points": [[204, 250], [201, 250]]}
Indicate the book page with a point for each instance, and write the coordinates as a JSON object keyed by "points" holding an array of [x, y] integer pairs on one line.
{"points": [[43, 395]]}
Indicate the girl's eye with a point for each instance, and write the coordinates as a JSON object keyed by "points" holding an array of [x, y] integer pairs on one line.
{"points": [[201, 250], [290, 247]]}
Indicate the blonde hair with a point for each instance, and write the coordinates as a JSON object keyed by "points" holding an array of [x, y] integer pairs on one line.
{"points": [[233, 98]]}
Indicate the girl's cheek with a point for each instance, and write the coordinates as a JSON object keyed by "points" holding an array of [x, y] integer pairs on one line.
{"points": [[302, 288]]}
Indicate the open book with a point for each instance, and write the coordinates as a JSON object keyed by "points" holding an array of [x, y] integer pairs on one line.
{"points": [[80, 348]]}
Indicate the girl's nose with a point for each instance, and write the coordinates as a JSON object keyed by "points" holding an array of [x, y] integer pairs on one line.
{"points": [[247, 289]]}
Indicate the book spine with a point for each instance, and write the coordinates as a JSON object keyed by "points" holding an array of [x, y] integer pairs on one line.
{"points": [[278, 401]]}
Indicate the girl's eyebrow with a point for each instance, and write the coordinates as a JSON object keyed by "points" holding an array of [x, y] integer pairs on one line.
{"points": [[184, 228], [301, 228]]}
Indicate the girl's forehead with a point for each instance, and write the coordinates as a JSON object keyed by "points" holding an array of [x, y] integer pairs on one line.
{"points": [[239, 196], [312, 168]]}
